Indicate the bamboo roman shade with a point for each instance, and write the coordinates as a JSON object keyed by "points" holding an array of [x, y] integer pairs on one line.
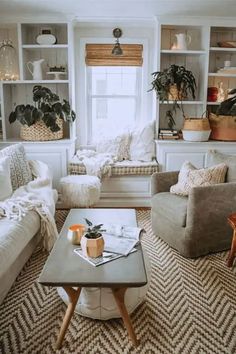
{"points": [[100, 55]]}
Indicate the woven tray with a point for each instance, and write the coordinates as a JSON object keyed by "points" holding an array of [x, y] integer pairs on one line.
{"points": [[39, 132]]}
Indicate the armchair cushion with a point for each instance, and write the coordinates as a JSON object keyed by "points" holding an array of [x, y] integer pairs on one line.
{"points": [[214, 157], [190, 176], [173, 207]]}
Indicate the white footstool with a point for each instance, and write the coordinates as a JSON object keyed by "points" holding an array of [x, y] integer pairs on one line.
{"points": [[79, 191], [99, 303]]}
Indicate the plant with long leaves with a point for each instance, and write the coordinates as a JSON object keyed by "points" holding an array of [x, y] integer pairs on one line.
{"points": [[93, 231], [47, 107], [184, 82]]}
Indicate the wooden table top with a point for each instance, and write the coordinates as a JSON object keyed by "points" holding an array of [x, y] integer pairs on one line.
{"points": [[65, 268]]}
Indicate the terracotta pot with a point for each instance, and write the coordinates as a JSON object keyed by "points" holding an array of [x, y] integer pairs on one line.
{"points": [[92, 247], [223, 127]]}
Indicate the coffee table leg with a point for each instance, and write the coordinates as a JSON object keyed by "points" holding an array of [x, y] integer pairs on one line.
{"points": [[73, 298], [119, 295]]}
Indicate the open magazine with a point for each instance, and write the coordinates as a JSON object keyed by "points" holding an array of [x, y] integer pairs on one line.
{"points": [[106, 257], [121, 239]]}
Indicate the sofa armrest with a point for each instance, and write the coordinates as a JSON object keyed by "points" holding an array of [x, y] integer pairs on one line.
{"points": [[162, 181], [209, 205]]}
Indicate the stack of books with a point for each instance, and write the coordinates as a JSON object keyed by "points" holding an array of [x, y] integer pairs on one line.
{"points": [[168, 134]]}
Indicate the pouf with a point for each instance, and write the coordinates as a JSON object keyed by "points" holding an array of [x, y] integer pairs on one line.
{"points": [[79, 191], [99, 303]]}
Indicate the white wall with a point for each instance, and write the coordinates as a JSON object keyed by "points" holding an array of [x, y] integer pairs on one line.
{"points": [[143, 33]]}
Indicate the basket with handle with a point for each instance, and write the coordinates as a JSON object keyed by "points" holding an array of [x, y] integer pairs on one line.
{"points": [[196, 129], [40, 132]]}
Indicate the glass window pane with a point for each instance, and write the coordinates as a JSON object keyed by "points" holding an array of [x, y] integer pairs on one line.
{"points": [[112, 115]]}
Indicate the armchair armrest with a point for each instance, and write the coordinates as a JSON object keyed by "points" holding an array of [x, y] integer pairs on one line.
{"points": [[162, 181], [210, 205]]}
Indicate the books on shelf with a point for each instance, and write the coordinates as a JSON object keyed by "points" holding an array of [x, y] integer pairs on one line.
{"points": [[168, 134]]}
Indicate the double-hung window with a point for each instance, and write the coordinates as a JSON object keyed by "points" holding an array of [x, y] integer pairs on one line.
{"points": [[114, 96]]}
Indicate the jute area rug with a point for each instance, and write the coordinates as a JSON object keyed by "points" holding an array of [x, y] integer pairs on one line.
{"points": [[190, 308]]}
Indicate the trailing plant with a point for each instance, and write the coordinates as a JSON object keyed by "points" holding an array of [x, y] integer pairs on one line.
{"points": [[182, 79], [93, 231], [47, 107], [228, 107]]}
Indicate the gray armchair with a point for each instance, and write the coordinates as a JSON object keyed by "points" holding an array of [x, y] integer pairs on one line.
{"points": [[195, 225]]}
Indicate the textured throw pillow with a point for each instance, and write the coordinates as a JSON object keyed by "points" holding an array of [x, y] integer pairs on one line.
{"points": [[215, 157], [5, 178], [118, 146], [190, 176], [19, 166], [142, 146]]}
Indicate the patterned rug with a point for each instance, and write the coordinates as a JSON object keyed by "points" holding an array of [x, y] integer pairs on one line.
{"points": [[190, 309]]}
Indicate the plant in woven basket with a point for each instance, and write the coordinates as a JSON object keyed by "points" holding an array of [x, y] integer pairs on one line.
{"points": [[174, 84], [47, 107]]}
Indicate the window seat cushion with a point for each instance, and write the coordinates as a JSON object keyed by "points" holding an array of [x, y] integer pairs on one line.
{"points": [[120, 168]]}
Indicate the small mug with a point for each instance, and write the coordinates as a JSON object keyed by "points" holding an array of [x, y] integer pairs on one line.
{"points": [[75, 232]]}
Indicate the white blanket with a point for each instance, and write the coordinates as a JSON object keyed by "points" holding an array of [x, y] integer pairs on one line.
{"points": [[39, 196], [96, 164]]}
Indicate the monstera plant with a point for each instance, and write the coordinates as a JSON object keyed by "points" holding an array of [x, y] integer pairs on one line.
{"points": [[47, 107]]}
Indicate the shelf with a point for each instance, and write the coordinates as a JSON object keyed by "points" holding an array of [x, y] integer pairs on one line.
{"points": [[213, 103], [183, 52], [39, 46], [220, 49], [221, 75], [184, 102], [36, 82]]}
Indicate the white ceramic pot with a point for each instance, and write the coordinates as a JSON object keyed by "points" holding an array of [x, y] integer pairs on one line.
{"points": [[196, 135]]}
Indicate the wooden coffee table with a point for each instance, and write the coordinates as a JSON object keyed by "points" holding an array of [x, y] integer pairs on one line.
{"points": [[64, 268]]}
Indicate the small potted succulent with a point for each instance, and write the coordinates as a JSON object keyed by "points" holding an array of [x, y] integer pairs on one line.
{"points": [[92, 242]]}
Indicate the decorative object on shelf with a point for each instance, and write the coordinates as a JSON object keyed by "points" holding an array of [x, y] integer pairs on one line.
{"points": [[92, 242], [46, 37], [57, 72], [230, 44], [75, 233], [174, 84], [182, 41], [221, 92], [36, 71], [117, 50], [196, 129], [227, 70], [212, 93], [44, 120], [223, 123], [8, 61]]}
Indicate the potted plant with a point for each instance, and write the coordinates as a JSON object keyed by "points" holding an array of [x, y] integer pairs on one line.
{"points": [[174, 84], [223, 123], [43, 120], [92, 242]]}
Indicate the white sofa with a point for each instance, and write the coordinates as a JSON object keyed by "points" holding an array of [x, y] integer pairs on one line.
{"points": [[18, 240]]}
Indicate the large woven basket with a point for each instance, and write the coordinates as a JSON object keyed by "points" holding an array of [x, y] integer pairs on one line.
{"points": [[222, 127], [40, 132]]}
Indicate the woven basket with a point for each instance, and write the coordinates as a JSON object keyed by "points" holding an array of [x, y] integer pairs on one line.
{"points": [[174, 94], [40, 132], [223, 127]]}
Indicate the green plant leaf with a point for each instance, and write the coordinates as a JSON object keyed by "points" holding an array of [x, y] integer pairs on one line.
{"points": [[89, 223], [12, 117]]}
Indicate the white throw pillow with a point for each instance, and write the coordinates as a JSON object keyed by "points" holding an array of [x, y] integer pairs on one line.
{"points": [[190, 176], [5, 178], [118, 146], [142, 146]]}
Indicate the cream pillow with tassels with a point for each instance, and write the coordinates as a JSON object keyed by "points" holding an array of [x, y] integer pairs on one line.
{"points": [[190, 177]]}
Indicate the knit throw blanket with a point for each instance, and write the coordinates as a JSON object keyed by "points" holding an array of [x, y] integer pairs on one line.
{"points": [[37, 196], [96, 164]]}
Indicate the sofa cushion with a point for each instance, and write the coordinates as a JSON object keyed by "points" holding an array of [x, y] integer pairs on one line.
{"points": [[19, 166], [214, 157], [118, 146], [171, 206], [190, 177], [14, 236], [142, 146], [5, 178]]}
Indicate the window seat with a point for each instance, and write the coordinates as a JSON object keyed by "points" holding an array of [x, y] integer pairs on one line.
{"points": [[122, 168]]}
